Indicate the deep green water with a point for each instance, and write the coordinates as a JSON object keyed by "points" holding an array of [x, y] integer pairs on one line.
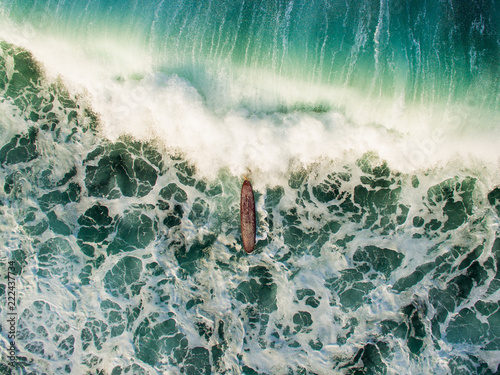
{"points": [[369, 131]]}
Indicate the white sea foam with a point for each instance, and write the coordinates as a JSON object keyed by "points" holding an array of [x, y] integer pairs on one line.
{"points": [[263, 125], [252, 121]]}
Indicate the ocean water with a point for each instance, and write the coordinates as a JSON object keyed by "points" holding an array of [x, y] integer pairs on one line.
{"points": [[369, 130]]}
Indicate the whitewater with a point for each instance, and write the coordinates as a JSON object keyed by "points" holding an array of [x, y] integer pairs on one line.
{"points": [[369, 131]]}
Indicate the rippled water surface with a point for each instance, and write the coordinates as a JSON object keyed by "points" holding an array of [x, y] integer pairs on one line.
{"points": [[369, 131]]}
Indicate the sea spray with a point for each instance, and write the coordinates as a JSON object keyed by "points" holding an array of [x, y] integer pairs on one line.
{"points": [[123, 148]]}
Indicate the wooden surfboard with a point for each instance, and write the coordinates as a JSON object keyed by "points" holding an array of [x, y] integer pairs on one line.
{"points": [[247, 216]]}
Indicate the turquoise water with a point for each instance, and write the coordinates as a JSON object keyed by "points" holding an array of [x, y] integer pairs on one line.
{"points": [[369, 131]]}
